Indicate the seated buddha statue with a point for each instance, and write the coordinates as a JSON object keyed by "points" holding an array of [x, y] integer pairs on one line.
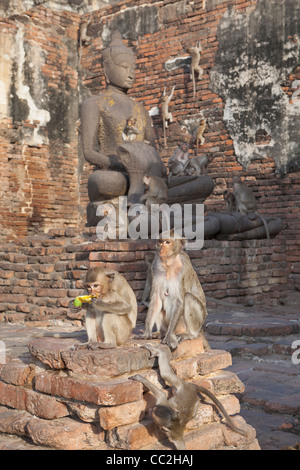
{"points": [[120, 163]]}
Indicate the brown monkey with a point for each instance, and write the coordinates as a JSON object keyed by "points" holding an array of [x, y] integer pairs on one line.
{"points": [[178, 160], [130, 131], [111, 316], [166, 115], [148, 284], [195, 67], [230, 202], [177, 299], [198, 165], [173, 414], [200, 132], [246, 202], [156, 192]]}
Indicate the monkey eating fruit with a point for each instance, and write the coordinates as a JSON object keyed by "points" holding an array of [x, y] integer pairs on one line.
{"points": [[112, 312], [173, 414]]}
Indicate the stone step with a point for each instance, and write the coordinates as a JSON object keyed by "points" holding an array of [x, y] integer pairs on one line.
{"points": [[62, 434], [255, 347]]}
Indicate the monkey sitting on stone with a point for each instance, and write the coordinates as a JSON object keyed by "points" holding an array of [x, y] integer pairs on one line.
{"points": [[112, 313], [156, 192], [177, 301], [178, 161], [173, 414], [230, 201], [130, 131], [246, 202], [198, 165]]}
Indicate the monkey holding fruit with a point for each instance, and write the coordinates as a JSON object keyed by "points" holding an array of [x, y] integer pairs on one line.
{"points": [[112, 310]]}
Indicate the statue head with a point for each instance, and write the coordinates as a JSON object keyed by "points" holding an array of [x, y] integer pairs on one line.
{"points": [[119, 63]]}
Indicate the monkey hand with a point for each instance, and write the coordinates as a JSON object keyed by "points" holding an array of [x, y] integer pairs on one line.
{"points": [[154, 351], [96, 300], [136, 378], [73, 308], [171, 341]]}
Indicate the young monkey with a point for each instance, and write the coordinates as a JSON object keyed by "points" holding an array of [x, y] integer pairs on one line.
{"points": [[112, 314], [246, 202], [130, 131], [156, 191], [173, 414]]}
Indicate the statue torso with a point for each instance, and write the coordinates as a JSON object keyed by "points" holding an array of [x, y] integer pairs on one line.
{"points": [[115, 108]]}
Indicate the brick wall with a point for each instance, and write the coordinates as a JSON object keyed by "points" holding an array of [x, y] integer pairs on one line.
{"points": [[38, 129], [39, 275], [179, 26], [43, 174]]}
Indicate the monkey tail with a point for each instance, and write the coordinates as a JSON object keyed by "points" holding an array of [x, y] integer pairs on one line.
{"points": [[266, 226], [194, 83], [165, 138], [230, 423]]}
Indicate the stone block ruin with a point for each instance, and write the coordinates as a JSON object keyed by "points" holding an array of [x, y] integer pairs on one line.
{"points": [[63, 399]]}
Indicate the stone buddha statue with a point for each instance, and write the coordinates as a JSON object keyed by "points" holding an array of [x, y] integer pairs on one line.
{"points": [[120, 163]]}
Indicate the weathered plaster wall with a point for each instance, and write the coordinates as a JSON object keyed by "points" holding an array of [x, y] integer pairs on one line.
{"points": [[39, 112], [258, 50]]}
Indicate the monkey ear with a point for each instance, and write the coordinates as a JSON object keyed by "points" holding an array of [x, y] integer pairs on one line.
{"points": [[111, 276], [183, 243]]}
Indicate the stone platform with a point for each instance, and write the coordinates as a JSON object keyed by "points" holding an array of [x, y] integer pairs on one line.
{"points": [[40, 274], [54, 397]]}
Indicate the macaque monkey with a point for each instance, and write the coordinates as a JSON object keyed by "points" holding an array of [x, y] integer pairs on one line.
{"points": [[130, 131], [112, 314], [195, 67], [177, 301], [166, 115], [246, 202], [173, 414], [84, 38], [156, 192], [148, 284], [230, 202], [200, 132], [198, 165], [178, 161]]}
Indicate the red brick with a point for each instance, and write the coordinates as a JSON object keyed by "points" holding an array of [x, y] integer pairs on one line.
{"points": [[113, 416], [108, 393]]}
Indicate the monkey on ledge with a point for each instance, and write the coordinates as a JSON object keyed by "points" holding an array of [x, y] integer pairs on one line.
{"points": [[112, 313], [177, 301]]}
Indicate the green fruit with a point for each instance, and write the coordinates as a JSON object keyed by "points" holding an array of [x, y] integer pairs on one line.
{"points": [[77, 303]]}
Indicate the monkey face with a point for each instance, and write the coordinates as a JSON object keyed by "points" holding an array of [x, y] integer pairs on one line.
{"points": [[98, 288], [165, 248]]}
